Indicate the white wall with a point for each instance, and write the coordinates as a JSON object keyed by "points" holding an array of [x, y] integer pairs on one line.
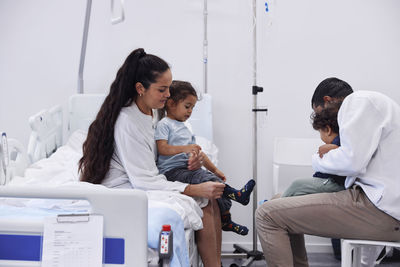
{"points": [[299, 44]]}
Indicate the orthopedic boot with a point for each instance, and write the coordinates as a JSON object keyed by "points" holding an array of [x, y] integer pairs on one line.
{"points": [[243, 195], [229, 225]]}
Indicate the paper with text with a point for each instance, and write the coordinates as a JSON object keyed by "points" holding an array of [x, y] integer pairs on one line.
{"points": [[75, 240]]}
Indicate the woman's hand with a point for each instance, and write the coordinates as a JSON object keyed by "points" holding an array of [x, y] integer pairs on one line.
{"points": [[210, 190], [195, 160]]}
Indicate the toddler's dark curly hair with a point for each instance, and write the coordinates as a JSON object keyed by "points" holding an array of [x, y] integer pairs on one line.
{"points": [[179, 90], [326, 117]]}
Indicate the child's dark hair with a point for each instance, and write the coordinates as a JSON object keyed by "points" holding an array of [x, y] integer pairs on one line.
{"points": [[179, 90], [324, 118]]}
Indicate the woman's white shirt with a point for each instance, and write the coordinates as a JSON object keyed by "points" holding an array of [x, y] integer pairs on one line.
{"points": [[135, 151], [369, 154]]}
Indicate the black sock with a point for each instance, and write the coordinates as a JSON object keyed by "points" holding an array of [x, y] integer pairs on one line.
{"points": [[229, 225], [243, 195]]}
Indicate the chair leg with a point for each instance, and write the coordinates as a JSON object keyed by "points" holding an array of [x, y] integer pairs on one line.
{"points": [[347, 248]]}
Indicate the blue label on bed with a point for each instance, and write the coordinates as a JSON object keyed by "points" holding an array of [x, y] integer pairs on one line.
{"points": [[20, 247], [114, 249], [28, 248]]}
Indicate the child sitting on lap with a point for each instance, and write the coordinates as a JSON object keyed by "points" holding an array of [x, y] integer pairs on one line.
{"points": [[324, 121], [175, 142]]}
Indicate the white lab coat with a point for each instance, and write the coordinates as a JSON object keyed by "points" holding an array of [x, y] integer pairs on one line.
{"points": [[369, 154], [133, 162]]}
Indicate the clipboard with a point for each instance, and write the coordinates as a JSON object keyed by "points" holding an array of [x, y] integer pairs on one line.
{"points": [[73, 240]]}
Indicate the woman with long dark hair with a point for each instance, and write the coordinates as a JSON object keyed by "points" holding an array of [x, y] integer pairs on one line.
{"points": [[120, 150]]}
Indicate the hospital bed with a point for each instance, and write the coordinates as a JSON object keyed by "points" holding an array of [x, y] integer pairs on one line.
{"points": [[127, 229]]}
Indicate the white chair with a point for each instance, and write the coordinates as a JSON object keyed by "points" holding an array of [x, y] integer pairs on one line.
{"points": [[292, 152], [350, 245]]}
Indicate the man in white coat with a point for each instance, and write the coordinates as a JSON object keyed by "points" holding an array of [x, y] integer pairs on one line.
{"points": [[369, 156]]}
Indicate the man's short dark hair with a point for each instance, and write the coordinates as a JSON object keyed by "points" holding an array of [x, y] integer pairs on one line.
{"points": [[332, 87]]}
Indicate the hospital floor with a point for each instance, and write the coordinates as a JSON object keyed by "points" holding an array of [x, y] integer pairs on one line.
{"points": [[314, 259]]}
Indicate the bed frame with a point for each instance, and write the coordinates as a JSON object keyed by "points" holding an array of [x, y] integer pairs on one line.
{"points": [[123, 244]]}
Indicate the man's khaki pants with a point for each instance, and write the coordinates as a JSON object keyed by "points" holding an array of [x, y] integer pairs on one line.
{"points": [[282, 222]]}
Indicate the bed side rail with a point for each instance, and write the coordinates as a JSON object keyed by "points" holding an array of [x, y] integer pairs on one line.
{"points": [[46, 135]]}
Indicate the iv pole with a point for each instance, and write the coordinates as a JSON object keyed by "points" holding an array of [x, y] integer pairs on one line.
{"points": [[254, 254], [205, 48], [240, 252]]}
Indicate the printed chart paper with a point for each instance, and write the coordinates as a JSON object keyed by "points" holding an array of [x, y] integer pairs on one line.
{"points": [[73, 240]]}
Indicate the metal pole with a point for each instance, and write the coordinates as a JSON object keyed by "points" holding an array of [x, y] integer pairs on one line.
{"points": [[205, 49], [254, 254], [254, 122], [83, 48]]}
